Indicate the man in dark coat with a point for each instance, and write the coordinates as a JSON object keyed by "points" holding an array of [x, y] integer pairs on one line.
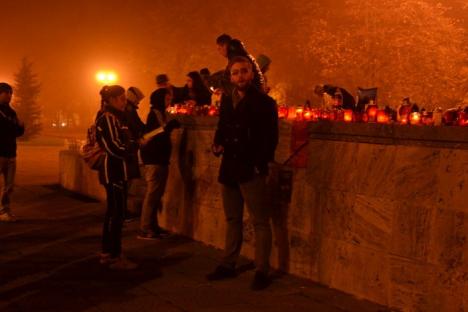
{"points": [[10, 129], [247, 136]]}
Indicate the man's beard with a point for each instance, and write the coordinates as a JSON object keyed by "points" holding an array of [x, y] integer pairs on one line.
{"points": [[243, 87]]}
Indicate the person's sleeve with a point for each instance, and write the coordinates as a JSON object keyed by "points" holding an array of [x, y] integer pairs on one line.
{"points": [[152, 128], [19, 129], [219, 134], [110, 138], [268, 138]]}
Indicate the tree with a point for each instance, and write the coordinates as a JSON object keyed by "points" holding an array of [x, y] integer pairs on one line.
{"points": [[25, 100], [405, 48]]}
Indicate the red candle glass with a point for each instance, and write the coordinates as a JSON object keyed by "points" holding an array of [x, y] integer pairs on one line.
{"points": [[382, 117], [348, 115], [415, 118], [371, 112]]}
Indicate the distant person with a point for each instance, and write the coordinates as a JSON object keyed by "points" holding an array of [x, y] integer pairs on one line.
{"points": [[135, 134], [113, 174], [156, 154], [10, 128], [246, 136], [205, 75], [176, 93], [334, 96], [264, 63], [196, 91], [230, 48]]}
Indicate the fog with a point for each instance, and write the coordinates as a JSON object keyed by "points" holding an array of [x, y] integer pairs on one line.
{"points": [[69, 41]]}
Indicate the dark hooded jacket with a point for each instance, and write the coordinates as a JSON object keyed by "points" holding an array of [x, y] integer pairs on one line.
{"points": [[9, 131], [158, 150]]}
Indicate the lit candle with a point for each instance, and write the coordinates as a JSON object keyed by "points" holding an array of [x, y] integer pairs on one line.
{"points": [[426, 118], [382, 117], [463, 118], [299, 113], [325, 115], [283, 112], [415, 118], [213, 111], [307, 114], [348, 115], [371, 112]]}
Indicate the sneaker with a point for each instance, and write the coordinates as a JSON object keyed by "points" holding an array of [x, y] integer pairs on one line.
{"points": [[130, 217], [221, 273], [7, 217], [122, 264], [162, 233], [104, 258], [261, 281], [147, 236]]}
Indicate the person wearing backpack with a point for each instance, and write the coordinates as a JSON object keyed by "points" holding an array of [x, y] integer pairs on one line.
{"points": [[113, 174]]}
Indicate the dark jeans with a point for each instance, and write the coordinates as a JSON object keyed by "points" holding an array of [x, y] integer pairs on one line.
{"points": [[7, 170], [254, 194], [113, 221]]}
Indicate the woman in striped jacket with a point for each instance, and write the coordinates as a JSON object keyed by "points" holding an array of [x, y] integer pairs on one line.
{"points": [[111, 136]]}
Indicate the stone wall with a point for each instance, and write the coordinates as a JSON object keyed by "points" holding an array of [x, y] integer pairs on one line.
{"points": [[380, 212]]}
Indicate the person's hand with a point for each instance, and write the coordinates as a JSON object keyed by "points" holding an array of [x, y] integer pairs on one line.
{"points": [[171, 125], [217, 149], [142, 142]]}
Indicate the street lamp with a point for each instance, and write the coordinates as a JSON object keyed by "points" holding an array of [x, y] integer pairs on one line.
{"points": [[106, 77]]}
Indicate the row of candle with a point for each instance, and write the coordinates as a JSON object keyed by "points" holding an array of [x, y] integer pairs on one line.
{"points": [[195, 110], [372, 114], [376, 115]]}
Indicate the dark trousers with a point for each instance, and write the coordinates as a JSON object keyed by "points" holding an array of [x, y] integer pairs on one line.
{"points": [[254, 194], [113, 221]]}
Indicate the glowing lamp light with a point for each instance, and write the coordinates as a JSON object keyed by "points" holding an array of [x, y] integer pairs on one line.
{"points": [[106, 77], [415, 118], [348, 115]]}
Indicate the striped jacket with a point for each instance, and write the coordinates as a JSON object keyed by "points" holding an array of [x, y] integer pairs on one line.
{"points": [[111, 136]]}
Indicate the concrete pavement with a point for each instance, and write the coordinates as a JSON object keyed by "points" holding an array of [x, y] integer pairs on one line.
{"points": [[48, 262]]}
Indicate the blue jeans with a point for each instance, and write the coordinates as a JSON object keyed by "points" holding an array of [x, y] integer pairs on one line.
{"points": [[156, 179], [7, 170]]}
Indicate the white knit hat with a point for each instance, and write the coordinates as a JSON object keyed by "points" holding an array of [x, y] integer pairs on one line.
{"points": [[134, 95]]}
